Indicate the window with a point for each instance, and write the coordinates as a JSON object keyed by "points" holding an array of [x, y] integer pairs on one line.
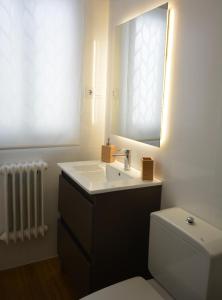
{"points": [[40, 72]]}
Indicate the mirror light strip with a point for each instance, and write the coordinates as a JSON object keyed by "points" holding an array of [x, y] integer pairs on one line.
{"points": [[168, 78]]}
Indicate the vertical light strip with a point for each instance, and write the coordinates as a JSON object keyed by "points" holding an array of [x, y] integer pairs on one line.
{"points": [[168, 77], [94, 82]]}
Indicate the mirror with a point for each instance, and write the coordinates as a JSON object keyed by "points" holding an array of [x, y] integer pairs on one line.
{"points": [[138, 76]]}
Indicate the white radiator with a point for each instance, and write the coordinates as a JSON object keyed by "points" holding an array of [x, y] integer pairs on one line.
{"points": [[23, 201]]}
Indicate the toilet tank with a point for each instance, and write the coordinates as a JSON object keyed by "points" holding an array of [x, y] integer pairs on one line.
{"points": [[186, 259]]}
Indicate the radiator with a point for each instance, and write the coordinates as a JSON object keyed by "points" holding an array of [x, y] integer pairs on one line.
{"points": [[23, 201]]}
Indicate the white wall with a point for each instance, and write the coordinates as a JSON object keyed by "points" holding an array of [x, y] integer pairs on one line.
{"points": [[93, 107], [91, 138], [189, 159]]}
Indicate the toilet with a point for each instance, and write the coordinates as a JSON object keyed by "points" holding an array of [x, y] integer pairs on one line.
{"points": [[185, 259]]}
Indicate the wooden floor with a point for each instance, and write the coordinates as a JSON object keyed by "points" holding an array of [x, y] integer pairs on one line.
{"points": [[39, 281]]}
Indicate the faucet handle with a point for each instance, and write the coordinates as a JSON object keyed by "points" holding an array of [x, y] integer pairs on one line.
{"points": [[127, 152], [122, 150]]}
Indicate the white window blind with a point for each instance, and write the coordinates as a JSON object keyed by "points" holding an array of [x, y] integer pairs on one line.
{"points": [[142, 75], [40, 72]]}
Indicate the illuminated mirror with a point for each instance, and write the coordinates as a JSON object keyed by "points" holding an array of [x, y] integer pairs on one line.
{"points": [[138, 76]]}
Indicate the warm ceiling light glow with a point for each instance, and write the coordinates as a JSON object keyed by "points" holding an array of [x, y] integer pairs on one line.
{"points": [[168, 78], [93, 83]]}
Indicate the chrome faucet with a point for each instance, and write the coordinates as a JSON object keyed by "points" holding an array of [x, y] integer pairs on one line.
{"points": [[127, 158]]}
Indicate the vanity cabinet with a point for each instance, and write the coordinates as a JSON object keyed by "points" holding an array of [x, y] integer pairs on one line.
{"points": [[103, 238]]}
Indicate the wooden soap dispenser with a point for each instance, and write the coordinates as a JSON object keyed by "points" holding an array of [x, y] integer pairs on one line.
{"points": [[147, 168], [107, 152]]}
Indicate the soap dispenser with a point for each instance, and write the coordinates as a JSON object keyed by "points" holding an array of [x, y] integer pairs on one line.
{"points": [[107, 152]]}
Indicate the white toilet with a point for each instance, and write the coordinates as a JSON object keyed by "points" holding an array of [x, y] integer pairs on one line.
{"points": [[185, 258]]}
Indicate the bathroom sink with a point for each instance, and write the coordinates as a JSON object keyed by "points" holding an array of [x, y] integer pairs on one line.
{"points": [[101, 172], [99, 177]]}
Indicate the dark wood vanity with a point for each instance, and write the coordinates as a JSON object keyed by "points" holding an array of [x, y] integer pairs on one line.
{"points": [[103, 238]]}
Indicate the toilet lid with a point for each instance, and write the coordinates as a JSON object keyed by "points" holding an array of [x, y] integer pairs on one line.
{"points": [[135, 288]]}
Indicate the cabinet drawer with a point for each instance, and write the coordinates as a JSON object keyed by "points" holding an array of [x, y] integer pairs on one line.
{"points": [[77, 213], [73, 261]]}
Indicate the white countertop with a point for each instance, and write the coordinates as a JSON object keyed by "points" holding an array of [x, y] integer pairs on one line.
{"points": [[97, 177]]}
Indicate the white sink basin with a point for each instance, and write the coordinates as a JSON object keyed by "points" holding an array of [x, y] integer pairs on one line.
{"points": [[98, 177]]}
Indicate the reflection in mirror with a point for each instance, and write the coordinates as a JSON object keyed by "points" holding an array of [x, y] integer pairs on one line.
{"points": [[138, 77]]}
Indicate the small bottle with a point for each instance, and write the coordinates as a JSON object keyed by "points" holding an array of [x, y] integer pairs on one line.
{"points": [[147, 168], [107, 152]]}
